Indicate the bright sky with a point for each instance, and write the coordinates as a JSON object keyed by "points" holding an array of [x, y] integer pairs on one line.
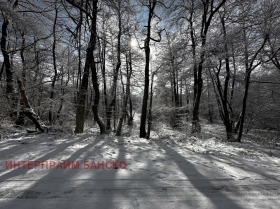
{"points": [[133, 43]]}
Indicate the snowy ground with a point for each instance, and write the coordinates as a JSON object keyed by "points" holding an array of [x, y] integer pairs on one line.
{"points": [[169, 171]]}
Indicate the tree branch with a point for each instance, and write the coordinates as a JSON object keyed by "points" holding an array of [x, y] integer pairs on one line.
{"points": [[72, 2], [159, 34]]}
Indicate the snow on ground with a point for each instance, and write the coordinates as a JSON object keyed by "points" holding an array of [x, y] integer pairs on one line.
{"points": [[171, 170], [213, 141]]}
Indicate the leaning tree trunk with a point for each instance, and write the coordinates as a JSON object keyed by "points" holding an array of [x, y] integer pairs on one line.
{"points": [[28, 110]]}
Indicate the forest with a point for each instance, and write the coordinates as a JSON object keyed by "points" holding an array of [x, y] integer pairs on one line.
{"points": [[77, 64], [140, 104]]}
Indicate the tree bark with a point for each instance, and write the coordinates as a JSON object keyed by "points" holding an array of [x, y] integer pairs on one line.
{"points": [[20, 117], [89, 62], [147, 71], [10, 88], [103, 70], [126, 96], [95, 85], [208, 13], [116, 71], [244, 105], [130, 113], [51, 118], [150, 116], [27, 109]]}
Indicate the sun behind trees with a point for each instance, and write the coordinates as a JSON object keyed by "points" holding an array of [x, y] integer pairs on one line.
{"points": [[105, 63]]}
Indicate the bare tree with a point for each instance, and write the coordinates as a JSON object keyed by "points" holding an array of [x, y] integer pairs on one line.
{"points": [[117, 7], [54, 64], [151, 13], [91, 12], [209, 9], [10, 87]]}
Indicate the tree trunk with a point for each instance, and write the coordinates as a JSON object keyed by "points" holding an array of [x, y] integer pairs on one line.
{"points": [[54, 66], [103, 70], [147, 71], [187, 101], [10, 88], [198, 84], [27, 109], [146, 91], [20, 117], [116, 71], [80, 113], [2, 70], [126, 96], [196, 99], [244, 105], [130, 114], [206, 19], [150, 116], [95, 85]]}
